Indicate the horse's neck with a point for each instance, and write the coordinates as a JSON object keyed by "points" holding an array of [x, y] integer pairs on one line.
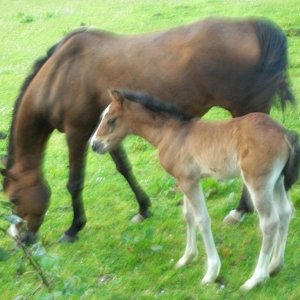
{"points": [[29, 138]]}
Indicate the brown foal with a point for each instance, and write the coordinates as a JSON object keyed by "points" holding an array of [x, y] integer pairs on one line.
{"points": [[254, 147]]}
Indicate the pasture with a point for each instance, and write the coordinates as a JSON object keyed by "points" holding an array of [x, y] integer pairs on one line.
{"points": [[113, 258]]}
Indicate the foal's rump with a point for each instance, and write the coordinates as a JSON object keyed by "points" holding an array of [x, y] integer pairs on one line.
{"points": [[266, 149]]}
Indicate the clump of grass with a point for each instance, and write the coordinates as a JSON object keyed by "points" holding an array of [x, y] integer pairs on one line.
{"points": [[25, 18]]}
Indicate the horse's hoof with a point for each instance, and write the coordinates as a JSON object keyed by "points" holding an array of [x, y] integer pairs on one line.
{"points": [[67, 239], [137, 219], [233, 217], [3, 135], [141, 217]]}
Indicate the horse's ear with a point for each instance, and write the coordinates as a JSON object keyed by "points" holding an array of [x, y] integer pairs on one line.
{"points": [[6, 173], [4, 160], [3, 172], [115, 95]]}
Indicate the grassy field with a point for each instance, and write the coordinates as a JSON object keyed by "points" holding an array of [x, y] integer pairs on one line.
{"points": [[115, 259]]}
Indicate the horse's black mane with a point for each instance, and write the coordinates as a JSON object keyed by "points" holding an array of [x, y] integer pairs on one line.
{"points": [[155, 104], [35, 69]]}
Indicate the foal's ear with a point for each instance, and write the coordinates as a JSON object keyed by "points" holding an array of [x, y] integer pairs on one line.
{"points": [[116, 96]]}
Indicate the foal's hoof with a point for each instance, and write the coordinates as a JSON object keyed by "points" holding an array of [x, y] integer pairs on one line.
{"points": [[274, 269], [233, 217], [208, 279], [252, 283], [67, 239], [185, 260]]}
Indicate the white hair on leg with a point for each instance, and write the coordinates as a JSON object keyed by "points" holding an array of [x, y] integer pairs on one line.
{"points": [[195, 197], [284, 210], [269, 224], [191, 251]]}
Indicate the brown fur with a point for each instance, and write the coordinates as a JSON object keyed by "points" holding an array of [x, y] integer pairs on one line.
{"points": [[238, 65], [254, 147]]}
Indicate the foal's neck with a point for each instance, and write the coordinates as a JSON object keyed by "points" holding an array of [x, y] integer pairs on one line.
{"points": [[154, 127]]}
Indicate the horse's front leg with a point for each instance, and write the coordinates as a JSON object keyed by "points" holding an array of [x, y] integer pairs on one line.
{"points": [[77, 153], [245, 206], [123, 166], [195, 196]]}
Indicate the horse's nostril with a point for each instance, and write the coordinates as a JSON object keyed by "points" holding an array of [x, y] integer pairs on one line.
{"points": [[95, 145]]}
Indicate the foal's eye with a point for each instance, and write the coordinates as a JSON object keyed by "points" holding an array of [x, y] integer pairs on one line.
{"points": [[111, 122]]}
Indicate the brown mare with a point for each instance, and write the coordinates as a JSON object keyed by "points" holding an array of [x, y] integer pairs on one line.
{"points": [[237, 65], [255, 147]]}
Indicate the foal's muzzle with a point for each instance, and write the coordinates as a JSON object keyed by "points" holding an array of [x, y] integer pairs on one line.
{"points": [[99, 147]]}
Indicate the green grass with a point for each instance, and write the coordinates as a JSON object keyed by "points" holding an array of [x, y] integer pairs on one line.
{"points": [[114, 259]]}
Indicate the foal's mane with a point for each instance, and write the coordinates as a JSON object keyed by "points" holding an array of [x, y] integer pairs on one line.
{"points": [[155, 104], [38, 64]]}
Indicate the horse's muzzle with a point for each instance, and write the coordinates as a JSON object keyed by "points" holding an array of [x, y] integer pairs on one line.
{"points": [[99, 147]]}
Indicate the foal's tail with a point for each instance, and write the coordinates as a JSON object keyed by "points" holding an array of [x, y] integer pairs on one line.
{"points": [[291, 169]]}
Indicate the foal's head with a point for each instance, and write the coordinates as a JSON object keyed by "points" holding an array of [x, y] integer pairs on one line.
{"points": [[30, 197], [113, 127]]}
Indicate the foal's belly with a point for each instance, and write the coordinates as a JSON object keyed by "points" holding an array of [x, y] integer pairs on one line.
{"points": [[221, 169]]}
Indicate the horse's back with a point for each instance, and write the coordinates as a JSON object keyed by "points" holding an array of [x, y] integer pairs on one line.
{"points": [[197, 66]]}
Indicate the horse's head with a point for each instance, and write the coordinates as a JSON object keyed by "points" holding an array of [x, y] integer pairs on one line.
{"points": [[30, 197], [113, 125]]}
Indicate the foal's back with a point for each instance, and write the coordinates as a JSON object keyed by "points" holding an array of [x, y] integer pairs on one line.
{"points": [[253, 144]]}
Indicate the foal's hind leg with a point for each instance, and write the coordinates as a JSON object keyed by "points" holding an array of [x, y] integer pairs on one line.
{"points": [[191, 251], [284, 210], [195, 196], [77, 152], [123, 166], [269, 224], [245, 204]]}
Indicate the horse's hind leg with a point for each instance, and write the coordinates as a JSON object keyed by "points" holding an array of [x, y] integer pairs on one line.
{"points": [[77, 152], [284, 210], [191, 251], [123, 166], [269, 224], [245, 206]]}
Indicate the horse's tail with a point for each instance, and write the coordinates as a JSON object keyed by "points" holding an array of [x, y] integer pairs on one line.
{"points": [[35, 69], [291, 169], [274, 59]]}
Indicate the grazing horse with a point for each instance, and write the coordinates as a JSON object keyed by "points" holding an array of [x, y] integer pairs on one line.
{"points": [[254, 147], [237, 65]]}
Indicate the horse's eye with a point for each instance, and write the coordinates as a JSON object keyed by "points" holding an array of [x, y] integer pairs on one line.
{"points": [[14, 200], [111, 122]]}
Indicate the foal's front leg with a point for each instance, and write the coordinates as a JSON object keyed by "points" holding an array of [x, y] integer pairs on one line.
{"points": [[191, 251], [195, 197]]}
